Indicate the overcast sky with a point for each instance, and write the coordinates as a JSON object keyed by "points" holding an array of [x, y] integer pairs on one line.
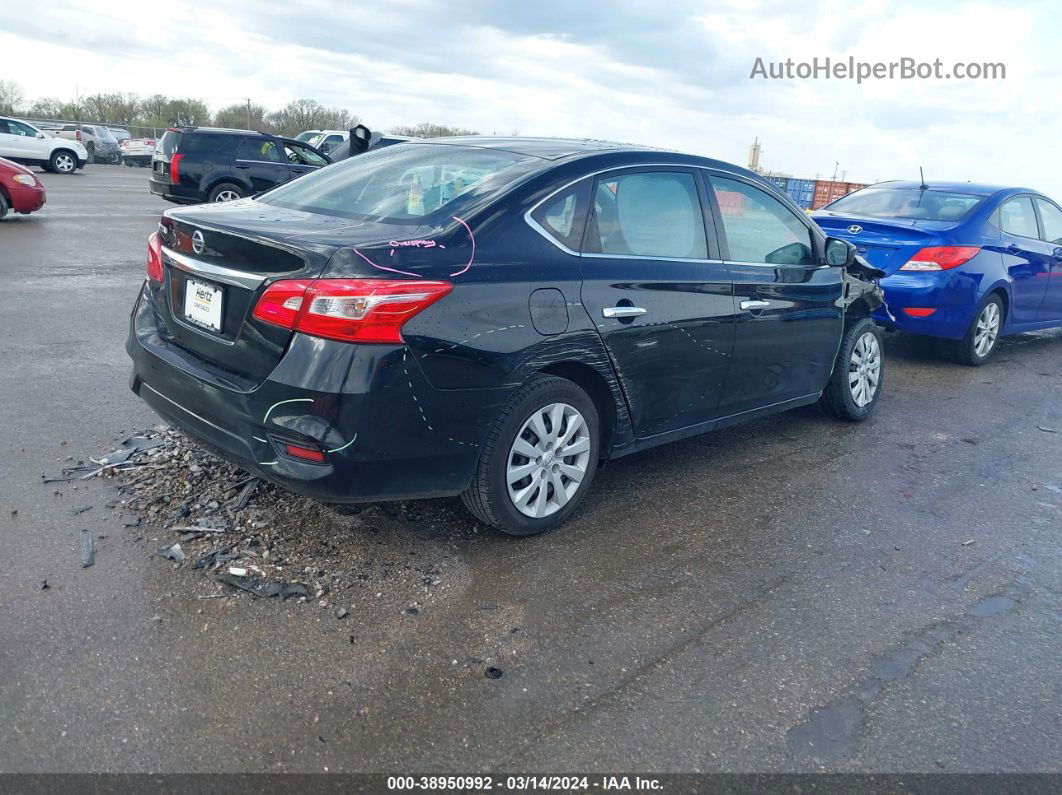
{"points": [[670, 74]]}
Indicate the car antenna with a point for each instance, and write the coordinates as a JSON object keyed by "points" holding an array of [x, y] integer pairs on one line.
{"points": [[922, 176]]}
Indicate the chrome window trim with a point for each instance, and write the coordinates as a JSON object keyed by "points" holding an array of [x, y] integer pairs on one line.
{"points": [[545, 233], [216, 273]]}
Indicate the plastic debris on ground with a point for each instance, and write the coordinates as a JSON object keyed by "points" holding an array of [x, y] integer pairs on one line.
{"points": [[246, 536]]}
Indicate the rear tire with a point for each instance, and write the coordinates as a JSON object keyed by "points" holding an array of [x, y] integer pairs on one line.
{"points": [[63, 161], [858, 374], [4, 205], [226, 192], [977, 346], [524, 495]]}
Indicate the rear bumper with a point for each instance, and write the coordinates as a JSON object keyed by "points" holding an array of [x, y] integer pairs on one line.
{"points": [[385, 432], [174, 193], [952, 295]]}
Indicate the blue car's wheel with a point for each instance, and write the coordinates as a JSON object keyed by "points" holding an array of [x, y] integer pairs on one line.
{"points": [[977, 346]]}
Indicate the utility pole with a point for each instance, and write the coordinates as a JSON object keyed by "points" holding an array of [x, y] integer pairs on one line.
{"points": [[836, 165], [248, 113]]}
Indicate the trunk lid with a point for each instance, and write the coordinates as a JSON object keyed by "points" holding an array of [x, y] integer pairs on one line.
{"points": [[885, 244], [217, 261]]}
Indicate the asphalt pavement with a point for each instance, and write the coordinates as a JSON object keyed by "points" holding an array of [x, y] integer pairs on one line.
{"points": [[794, 594]]}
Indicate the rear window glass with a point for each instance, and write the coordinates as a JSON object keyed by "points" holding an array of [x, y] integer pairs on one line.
{"points": [[910, 203], [168, 142], [422, 183], [207, 145]]}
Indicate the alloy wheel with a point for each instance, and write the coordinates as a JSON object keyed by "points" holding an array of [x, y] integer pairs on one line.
{"points": [[64, 164], [987, 329], [548, 460], [227, 196], [864, 369]]}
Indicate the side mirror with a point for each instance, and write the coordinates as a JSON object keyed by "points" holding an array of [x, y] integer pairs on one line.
{"points": [[39, 135], [359, 139], [839, 253]]}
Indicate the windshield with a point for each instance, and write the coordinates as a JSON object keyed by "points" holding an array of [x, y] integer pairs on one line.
{"points": [[415, 183], [306, 135], [910, 203]]}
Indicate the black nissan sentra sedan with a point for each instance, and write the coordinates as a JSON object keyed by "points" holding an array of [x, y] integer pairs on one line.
{"points": [[495, 317]]}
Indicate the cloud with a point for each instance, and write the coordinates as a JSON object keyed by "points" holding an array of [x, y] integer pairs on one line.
{"points": [[673, 75]]}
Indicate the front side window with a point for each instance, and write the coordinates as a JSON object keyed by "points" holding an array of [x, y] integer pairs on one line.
{"points": [[759, 228], [252, 148], [303, 156], [419, 183], [563, 216], [18, 128], [1016, 217], [1052, 220], [648, 214]]}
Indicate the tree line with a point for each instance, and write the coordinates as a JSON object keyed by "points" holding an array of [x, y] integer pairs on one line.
{"points": [[159, 111]]}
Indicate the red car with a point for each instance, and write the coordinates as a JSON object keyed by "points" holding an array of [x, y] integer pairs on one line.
{"points": [[20, 190]]}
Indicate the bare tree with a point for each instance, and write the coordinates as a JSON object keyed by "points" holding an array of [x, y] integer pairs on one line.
{"points": [[246, 115], [309, 114], [11, 97], [430, 130]]}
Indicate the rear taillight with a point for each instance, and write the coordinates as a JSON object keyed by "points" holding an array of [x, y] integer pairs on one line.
{"points": [[149, 142], [154, 258], [919, 311], [77, 135], [940, 258], [351, 310], [175, 169]]}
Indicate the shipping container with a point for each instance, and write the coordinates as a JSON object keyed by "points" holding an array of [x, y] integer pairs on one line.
{"points": [[779, 181], [801, 191]]}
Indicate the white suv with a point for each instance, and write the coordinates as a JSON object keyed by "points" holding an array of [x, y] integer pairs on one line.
{"points": [[22, 142]]}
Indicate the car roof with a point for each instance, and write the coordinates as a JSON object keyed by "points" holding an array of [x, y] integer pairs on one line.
{"points": [[973, 188], [222, 130]]}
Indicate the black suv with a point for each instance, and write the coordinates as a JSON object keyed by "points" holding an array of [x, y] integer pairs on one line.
{"points": [[206, 164]]}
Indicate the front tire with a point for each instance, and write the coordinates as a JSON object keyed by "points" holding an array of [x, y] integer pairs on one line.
{"points": [[539, 460], [858, 374], [63, 162], [226, 192], [977, 346], [4, 205]]}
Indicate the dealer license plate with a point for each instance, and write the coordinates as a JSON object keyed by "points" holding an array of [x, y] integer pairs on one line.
{"points": [[202, 304]]}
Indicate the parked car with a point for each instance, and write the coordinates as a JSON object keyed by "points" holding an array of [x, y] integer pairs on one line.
{"points": [[20, 190], [205, 164], [101, 145], [325, 140], [25, 143], [493, 317], [965, 262], [137, 151], [120, 134], [341, 151]]}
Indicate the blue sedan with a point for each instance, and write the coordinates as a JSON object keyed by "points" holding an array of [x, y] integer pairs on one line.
{"points": [[965, 262]]}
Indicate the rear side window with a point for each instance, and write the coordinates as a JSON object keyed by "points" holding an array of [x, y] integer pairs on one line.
{"points": [[215, 147], [563, 216], [648, 214], [168, 142], [1016, 217], [1052, 220], [252, 148], [759, 228]]}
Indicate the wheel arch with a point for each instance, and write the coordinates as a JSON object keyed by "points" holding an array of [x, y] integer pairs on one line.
{"points": [[594, 384]]}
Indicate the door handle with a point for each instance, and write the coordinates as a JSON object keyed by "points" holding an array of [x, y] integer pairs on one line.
{"points": [[1013, 249], [751, 305], [1057, 253], [623, 311]]}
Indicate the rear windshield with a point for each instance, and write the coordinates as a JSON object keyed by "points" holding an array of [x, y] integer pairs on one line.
{"points": [[168, 142], [908, 203], [416, 183]]}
